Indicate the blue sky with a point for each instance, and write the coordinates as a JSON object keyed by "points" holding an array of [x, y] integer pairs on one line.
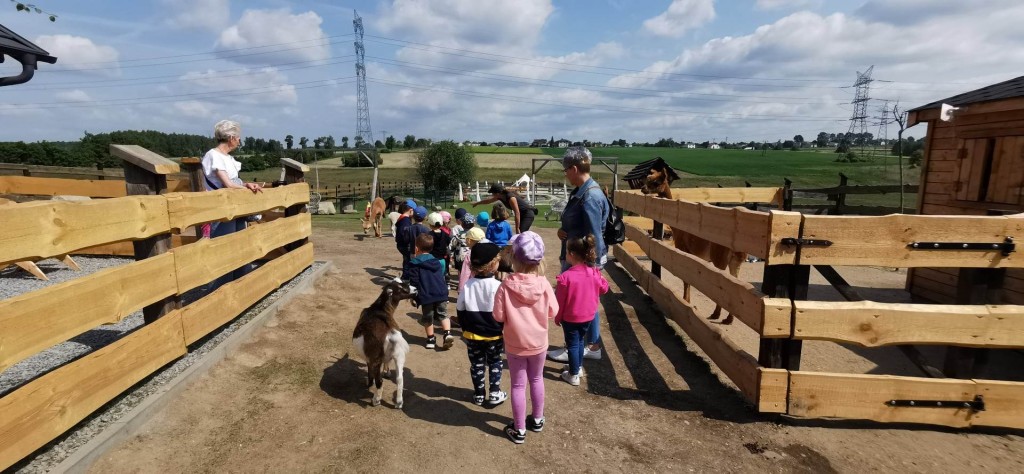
{"points": [[499, 70]]}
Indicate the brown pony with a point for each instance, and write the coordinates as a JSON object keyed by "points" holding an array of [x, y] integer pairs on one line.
{"points": [[372, 216], [658, 182]]}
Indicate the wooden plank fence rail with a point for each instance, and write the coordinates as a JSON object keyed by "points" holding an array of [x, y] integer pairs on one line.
{"points": [[110, 188], [38, 170], [872, 324], [731, 195], [737, 364], [188, 209]]}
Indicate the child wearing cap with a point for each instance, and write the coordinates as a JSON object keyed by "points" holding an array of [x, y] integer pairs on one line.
{"points": [[446, 218], [578, 290], [524, 303], [441, 240], [482, 219], [414, 230], [424, 273], [473, 236], [499, 231], [480, 331], [401, 233]]}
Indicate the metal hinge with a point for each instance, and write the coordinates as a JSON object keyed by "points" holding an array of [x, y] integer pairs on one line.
{"points": [[805, 242], [978, 404], [1005, 247]]}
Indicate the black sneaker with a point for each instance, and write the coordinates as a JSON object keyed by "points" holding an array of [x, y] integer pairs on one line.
{"points": [[448, 340], [514, 435], [478, 400], [534, 424], [431, 342]]}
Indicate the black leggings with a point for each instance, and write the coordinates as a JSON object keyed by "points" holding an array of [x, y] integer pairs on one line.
{"points": [[526, 220]]}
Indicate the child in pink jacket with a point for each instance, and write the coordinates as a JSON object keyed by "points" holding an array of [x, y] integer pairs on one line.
{"points": [[524, 303], [578, 290]]}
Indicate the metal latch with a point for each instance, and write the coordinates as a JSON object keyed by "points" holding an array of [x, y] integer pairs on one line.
{"points": [[978, 404], [1005, 247], [806, 242]]}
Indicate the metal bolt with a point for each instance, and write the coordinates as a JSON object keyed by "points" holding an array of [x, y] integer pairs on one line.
{"points": [[938, 404], [967, 404], [911, 403], [995, 246], [965, 245], [915, 245], [936, 245]]}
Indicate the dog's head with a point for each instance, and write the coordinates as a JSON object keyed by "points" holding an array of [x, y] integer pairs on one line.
{"points": [[399, 290], [660, 176]]}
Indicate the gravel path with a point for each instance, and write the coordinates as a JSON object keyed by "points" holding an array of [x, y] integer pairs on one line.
{"points": [[14, 282]]}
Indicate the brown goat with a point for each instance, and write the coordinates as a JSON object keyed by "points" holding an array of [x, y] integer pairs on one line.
{"points": [[372, 216], [658, 182], [378, 341]]}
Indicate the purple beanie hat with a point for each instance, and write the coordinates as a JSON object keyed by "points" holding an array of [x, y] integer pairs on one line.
{"points": [[527, 247]]}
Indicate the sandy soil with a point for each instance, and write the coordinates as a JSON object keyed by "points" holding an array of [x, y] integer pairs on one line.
{"points": [[293, 399]]}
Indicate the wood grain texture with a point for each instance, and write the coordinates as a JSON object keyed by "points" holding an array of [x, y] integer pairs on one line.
{"points": [[872, 324], [295, 165], [736, 296], [783, 224], [737, 364], [34, 321], [33, 186], [43, 229], [208, 259], [1004, 404], [41, 410], [227, 302], [863, 397], [144, 159], [187, 209], [726, 195], [772, 391], [883, 240]]}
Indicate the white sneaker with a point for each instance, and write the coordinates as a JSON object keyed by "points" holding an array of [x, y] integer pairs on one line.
{"points": [[583, 372], [573, 380], [496, 398], [559, 355], [589, 354]]}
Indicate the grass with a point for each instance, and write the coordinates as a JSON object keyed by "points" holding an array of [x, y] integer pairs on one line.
{"points": [[351, 222], [515, 150]]}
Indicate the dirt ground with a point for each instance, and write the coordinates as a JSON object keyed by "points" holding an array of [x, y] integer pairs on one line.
{"points": [[293, 399]]}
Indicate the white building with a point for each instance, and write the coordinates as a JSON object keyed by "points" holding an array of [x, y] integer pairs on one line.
{"points": [[691, 145], [714, 146], [563, 143]]}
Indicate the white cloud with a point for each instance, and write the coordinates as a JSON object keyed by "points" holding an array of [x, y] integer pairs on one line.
{"points": [[194, 109], [76, 95], [80, 53], [306, 40], [781, 4], [681, 16], [265, 86], [198, 14]]}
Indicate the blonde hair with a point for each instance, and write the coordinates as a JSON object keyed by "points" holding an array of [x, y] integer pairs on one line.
{"points": [[489, 267], [530, 268]]}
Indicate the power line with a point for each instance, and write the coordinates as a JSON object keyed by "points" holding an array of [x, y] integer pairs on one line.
{"points": [[217, 51]]}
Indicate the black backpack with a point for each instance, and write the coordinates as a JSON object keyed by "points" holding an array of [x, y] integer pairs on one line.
{"points": [[614, 228]]}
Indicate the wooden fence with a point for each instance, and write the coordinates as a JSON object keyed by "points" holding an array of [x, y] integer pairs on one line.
{"points": [[44, 408], [836, 196], [790, 243]]}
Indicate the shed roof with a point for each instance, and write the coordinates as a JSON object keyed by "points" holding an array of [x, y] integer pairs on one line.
{"points": [[13, 45], [1003, 90]]}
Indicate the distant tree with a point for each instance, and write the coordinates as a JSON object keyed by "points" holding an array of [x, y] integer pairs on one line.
{"points": [[788, 144], [916, 157], [551, 142], [390, 142], [316, 142], [483, 143], [378, 144], [31, 7], [822, 140], [289, 141], [799, 140], [303, 142], [344, 142], [421, 143], [409, 141], [329, 142], [445, 164]]}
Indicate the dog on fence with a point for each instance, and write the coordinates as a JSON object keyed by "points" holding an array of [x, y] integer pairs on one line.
{"points": [[378, 341], [658, 182], [372, 216]]}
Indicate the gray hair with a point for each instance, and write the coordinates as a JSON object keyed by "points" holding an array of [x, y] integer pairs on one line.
{"points": [[226, 130], [576, 156]]}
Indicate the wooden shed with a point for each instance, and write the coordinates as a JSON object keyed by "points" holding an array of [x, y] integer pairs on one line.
{"points": [[973, 165]]}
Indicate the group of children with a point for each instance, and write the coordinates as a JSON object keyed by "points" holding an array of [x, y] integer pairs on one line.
{"points": [[508, 315]]}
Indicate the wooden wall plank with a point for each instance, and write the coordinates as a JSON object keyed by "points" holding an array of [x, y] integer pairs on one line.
{"points": [[1004, 404], [41, 410], [187, 209], [882, 241], [783, 224], [724, 195], [227, 302], [34, 321], [33, 186], [864, 397], [43, 229], [773, 389], [872, 324], [144, 159], [208, 259], [736, 296], [743, 231], [737, 364]]}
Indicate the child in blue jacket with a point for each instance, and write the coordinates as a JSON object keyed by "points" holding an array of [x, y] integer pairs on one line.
{"points": [[426, 275], [499, 231]]}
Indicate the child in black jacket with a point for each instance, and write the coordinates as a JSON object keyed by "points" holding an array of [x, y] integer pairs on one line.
{"points": [[424, 273], [480, 331]]}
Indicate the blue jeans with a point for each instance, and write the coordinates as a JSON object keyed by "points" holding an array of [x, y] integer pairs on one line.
{"points": [[594, 331], [575, 333], [219, 229]]}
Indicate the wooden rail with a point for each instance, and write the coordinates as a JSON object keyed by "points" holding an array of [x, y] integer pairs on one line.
{"points": [[109, 188], [37, 412]]}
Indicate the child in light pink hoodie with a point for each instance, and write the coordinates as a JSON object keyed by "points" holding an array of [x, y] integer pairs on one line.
{"points": [[524, 303]]}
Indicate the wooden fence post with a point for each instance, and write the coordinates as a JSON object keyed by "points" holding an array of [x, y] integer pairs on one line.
{"points": [[781, 281], [840, 198], [294, 172], [145, 173], [194, 168]]}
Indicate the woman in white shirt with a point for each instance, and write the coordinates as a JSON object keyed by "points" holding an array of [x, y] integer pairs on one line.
{"points": [[220, 170]]}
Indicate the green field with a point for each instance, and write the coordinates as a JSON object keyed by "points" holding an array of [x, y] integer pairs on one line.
{"points": [[513, 150]]}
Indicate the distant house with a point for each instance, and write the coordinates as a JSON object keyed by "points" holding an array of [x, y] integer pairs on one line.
{"points": [[714, 146], [522, 144], [563, 143], [474, 143], [814, 145], [539, 142], [691, 145]]}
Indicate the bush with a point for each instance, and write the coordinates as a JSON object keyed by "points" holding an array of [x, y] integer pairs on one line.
{"points": [[916, 158], [444, 164]]}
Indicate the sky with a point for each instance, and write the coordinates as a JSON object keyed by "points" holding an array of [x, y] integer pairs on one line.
{"points": [[495, 70]]}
